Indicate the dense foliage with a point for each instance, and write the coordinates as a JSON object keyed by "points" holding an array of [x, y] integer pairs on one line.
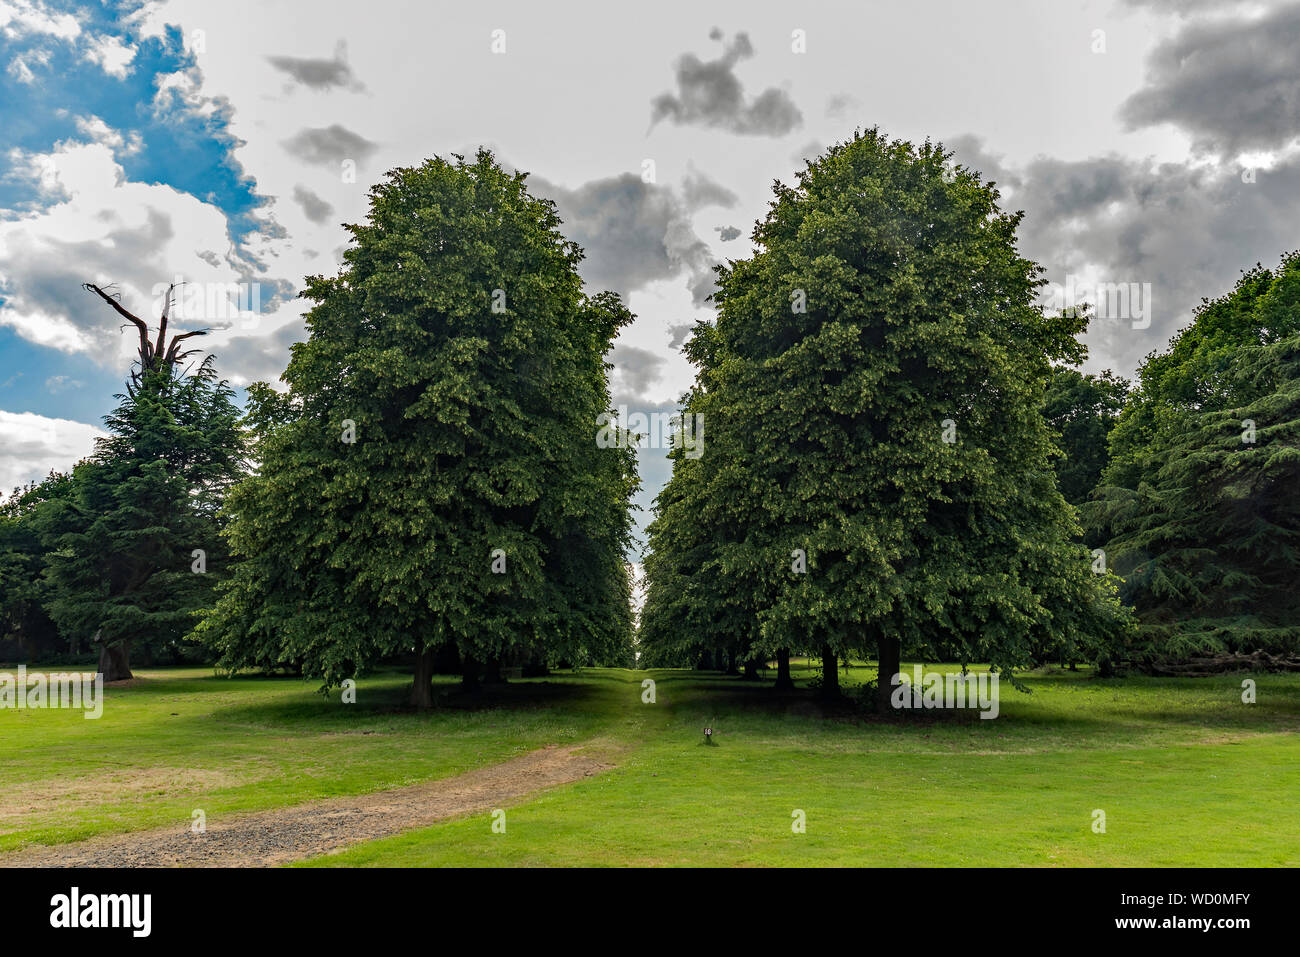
{"points": [[899, 446], [432, 476], [1199, 506], [878, 471], [125, 550]]}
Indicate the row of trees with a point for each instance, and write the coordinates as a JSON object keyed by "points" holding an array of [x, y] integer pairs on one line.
{"points": [[900, 452], [428, 488]]}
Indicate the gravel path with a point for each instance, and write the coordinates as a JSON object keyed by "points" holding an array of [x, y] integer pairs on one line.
{"points": [[267, 838]]}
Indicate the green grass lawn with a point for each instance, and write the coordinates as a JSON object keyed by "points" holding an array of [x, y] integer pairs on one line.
{"points": [[1186, 773], [181, 739]]}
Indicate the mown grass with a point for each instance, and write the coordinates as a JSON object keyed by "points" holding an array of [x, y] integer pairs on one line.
{"points": [[177, 740], [1185, 772]]}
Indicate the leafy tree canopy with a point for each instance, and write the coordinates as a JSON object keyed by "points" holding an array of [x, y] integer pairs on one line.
{"points": [[432, 475]]}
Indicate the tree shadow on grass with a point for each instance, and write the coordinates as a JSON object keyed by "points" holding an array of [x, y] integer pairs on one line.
{"points": [[517, 695], [383, 697], [1066, 704]]}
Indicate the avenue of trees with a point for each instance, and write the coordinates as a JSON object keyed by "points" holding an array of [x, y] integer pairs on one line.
{"points": [[903, 460]]}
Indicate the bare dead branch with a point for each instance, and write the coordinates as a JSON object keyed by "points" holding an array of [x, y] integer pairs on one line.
{"points": [[173, 356], [117, 307], [162, 322]]}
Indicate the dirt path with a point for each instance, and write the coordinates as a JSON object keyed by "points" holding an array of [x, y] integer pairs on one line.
{"points": [[266, 838]]}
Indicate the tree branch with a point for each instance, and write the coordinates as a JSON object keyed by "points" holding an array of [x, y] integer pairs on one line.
{"points": [[145, 350], [172, 356], [162, 323]]}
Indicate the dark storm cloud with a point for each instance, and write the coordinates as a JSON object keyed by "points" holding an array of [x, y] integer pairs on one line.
{"points": [[329, 145], [679, 333], [634, 233], [840, 105], [1184, 7], [635, 372], [710, 94], [1233, 85], [313, 207], [698, 192], [319, 74], [1187, 229]]}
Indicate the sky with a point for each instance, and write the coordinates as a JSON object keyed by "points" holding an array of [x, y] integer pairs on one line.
{"points": [[1153, 144]]}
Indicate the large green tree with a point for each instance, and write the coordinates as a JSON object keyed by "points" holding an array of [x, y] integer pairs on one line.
{"points": [[1192, 374], [133, 552], [880, 368], [433, 474]]}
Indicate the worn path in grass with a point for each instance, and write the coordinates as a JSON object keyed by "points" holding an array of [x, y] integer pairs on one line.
{"points": [[320, 827]]}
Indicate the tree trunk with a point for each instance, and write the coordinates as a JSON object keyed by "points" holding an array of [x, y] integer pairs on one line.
{"points": [[888, 653], [783, 680], [469, 674], [731, 663], [446, 659], [492, 672], [751, 669], [830, 672], [422, 686], [115, 661]]}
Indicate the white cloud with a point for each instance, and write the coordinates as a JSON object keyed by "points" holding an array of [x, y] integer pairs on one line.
{"points": [[113, 56], [180, 91], [60, 383], [33, 444], [20, 71], [104, 229], [22, 17], [97, 131]]}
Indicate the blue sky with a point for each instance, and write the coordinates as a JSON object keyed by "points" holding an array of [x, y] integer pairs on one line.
{"points": [[51, 86]]}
